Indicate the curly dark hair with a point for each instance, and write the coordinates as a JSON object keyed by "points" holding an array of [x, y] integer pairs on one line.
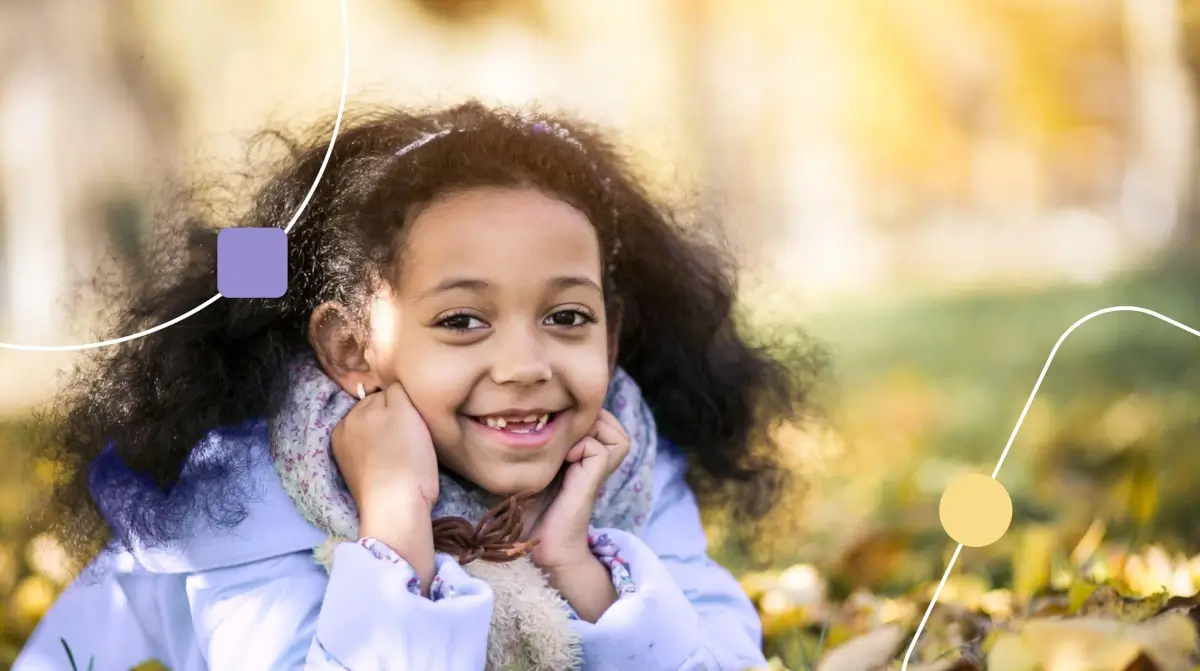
{"points": [[152, 401]]}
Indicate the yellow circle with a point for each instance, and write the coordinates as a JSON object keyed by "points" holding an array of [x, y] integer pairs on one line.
{"points": [[975, 510]]}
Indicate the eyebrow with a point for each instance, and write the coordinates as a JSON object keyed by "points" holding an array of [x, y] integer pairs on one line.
{"points": [[467, 283], [479, 286], [572, 281]]}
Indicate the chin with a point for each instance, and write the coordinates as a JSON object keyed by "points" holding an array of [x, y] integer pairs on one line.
{"points": [[521, 482]]}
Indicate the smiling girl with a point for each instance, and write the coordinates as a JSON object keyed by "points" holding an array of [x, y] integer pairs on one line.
{"points": [[496, 362]]}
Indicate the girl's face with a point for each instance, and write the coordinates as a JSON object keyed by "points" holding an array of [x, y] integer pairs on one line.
{"points": [[497, 331]]}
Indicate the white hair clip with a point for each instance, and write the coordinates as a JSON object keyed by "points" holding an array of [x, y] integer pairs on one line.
{"points": [[422, 141]]}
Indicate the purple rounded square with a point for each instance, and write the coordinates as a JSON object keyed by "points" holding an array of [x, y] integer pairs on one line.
{"points": [[252, 262]]}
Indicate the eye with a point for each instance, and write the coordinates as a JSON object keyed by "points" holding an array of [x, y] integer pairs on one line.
{"points": [[570, 318], [461, 322]]}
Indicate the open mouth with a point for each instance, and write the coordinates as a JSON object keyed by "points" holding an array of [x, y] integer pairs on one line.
{"points": [[521, 424]]}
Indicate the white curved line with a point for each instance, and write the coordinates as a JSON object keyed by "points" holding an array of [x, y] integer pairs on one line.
{"points": [[295, 217], [953, 558]]}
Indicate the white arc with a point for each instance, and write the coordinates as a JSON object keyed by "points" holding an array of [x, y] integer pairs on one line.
{"points": [[953, 558], [295, 217]]}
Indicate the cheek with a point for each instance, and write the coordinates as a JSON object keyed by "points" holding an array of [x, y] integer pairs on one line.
{"points": [[437, 385], [435, 382], [587, 377]]}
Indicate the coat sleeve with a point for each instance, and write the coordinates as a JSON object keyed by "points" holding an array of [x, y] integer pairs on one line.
{"points": [[367, 614], [683, 611]]}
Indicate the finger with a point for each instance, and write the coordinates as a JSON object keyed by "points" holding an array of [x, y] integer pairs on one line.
{"points": [[587, 472], [395, 397], [617, 443], [364, 402], [609, 435], [575, 454], [586, 448], [610, 420], [368, 407]]}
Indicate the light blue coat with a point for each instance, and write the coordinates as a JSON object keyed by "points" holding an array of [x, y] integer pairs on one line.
{"points": [[252, 597]]}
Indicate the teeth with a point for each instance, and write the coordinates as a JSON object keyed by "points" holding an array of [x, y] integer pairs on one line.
{"points": [[500, 422]]}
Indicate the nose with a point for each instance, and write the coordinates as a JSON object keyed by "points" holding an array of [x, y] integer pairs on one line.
{"points": [[520, 358]]}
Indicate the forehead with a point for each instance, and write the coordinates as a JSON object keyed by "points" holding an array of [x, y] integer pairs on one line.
{"points": [[497, 234]]}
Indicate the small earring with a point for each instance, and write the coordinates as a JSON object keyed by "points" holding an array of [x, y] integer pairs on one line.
{"points": [[362, 392]]}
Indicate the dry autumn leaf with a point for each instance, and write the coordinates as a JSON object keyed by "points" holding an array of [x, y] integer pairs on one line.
{"points": [[1166, 642], [1032, 561], [873, 650]]}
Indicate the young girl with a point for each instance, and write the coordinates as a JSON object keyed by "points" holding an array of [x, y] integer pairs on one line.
{"points": [[458, 441]]}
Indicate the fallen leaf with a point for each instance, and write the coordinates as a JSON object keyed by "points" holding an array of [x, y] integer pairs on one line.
{"points": [[1079, 593], [1033, 560], [872, 650], [1096, 644], [1170, 640], [1107, 601]]}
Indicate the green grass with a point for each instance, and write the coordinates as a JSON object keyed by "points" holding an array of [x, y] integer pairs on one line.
{"points": [[970, 363]]}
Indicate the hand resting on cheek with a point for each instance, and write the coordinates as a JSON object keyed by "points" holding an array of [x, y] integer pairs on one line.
{"points": [[385, 454], [562, 530], [563, 548]]}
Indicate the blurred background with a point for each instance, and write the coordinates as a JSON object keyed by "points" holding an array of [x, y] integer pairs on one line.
{"points": [[934, 189]]}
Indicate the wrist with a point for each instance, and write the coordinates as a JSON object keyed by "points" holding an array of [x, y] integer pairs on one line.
{"points": [[562, 559], [586, 586], [563, 572], [396, 525], [408, 532]]}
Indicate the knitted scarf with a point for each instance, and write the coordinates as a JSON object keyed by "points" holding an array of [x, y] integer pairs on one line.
{"points": [[530, 628]]}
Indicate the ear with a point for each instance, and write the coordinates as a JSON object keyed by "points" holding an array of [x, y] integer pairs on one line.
{"points": [[614, 334], [341, 346]]}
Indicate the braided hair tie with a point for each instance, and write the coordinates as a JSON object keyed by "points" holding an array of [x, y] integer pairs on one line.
{"points": [[496, 538]]}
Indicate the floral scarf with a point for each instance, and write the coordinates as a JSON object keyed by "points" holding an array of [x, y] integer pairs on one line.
{"points": [[530, 623]]}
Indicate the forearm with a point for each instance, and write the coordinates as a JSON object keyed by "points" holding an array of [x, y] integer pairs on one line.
{"points": [[415, 547], [407, 530], [587, 587]]}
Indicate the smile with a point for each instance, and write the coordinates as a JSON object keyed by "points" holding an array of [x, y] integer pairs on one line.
{"points": [[525, 424], [520, 430]]}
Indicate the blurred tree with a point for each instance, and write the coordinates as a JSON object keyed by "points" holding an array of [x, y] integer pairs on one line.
{"points": [[80, 121], [916, 86], [714, 155], [1187, 242], [951, 80]]}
